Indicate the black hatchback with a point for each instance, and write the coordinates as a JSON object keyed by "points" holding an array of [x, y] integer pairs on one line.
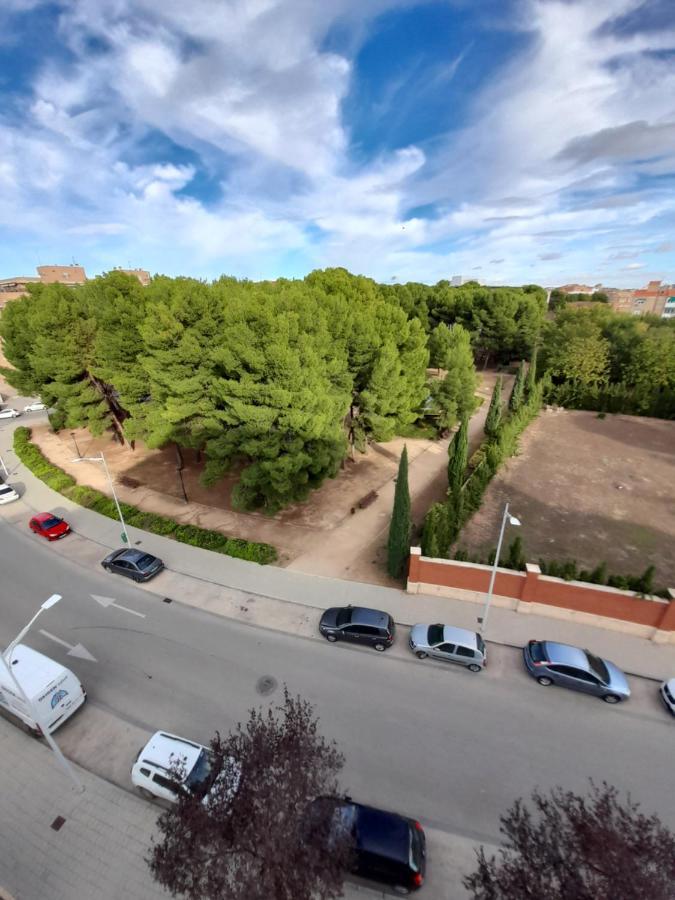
{"points": [[135, 564], [388, 848], [358, 624]]}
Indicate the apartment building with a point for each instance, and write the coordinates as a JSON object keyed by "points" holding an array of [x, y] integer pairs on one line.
{"points": [[12, 288]]}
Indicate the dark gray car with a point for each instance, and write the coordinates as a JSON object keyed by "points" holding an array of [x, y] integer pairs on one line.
{"points": [[134, 564], [572, 667], [359, 625]]}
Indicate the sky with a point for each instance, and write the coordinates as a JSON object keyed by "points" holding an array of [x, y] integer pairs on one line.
{"points": [[508, 141]]}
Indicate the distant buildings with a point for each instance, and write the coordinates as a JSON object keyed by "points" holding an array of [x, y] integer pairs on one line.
{"points": [[12, 288], [457, 281], [657, 299]]}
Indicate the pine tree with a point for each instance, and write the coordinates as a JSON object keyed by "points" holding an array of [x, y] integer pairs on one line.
{"points": [[531, 378], [434, 532], [398, 546], [495, 412], [518, 392], [459, 454]]}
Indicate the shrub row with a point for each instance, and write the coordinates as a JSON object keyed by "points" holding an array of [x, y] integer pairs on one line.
{"points": [[33, 458]]}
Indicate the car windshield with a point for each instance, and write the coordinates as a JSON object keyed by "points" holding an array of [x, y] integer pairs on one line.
{"points": [[537, 651], [597, 666], [6, 490], [51, 523], [145, 561], [200, 771], [435, 634], [480, 643], [344, 616]]}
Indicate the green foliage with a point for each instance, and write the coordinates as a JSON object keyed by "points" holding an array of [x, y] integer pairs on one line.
{"points": [[609, 362], [516, 555], [440, 342], [398, 545], [458, 452], [495, 411], [434, 533], [454, 396], [531, 377], [33, 458], [518, 392]]}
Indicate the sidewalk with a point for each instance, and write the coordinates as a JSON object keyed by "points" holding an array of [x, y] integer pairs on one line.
{"points": [[208, 580], [99, 851]]}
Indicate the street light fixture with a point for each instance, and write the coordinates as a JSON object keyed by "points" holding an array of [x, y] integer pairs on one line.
{"points": [[512, 520], [7, 662], [101, 459]]}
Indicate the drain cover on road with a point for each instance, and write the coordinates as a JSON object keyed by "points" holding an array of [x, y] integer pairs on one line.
{"points": [[266, 685]]}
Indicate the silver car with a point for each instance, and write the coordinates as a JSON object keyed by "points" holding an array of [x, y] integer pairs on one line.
{"points": [[572, 667], [450, 644]]}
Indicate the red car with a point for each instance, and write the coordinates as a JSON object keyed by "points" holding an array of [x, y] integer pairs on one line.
{"points": [[49, 526]]}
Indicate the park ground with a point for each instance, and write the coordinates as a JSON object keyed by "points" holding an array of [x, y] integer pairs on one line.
{"points": [[328, 534], [588, 488]]}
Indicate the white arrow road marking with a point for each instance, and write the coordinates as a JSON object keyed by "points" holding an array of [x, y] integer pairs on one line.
{"points": [[108, 601], [73, 649]]}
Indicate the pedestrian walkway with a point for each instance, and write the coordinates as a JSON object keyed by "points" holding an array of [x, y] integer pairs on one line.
{"points": [[58, 844]]}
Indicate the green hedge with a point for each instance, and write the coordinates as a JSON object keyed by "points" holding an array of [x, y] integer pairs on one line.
{"points": [[33, 458]]}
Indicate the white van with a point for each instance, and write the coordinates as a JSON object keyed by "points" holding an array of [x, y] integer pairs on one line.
{"points": [[54, 691]]}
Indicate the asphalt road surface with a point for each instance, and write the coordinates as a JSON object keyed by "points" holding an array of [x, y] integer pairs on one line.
{"points": [[440, 743]]}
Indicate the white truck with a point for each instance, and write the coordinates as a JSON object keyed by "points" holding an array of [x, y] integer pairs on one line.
{"points": [[54, 692]]}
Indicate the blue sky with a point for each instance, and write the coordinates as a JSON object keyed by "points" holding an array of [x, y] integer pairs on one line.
{"points": [[505, 140]]}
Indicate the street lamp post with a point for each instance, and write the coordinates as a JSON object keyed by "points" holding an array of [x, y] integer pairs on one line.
{"points": [[101, 459], [7, 662], [512, 520]]}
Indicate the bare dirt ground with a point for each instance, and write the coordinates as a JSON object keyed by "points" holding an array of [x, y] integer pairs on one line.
{"points": [[588, 489]]}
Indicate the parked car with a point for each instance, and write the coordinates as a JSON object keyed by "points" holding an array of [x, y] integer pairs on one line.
{"points": [[667, 691], [7, 493], [572, 667], [359, 625], [36, 406], [450, 644], [9, 413], [49, 526], [135, 564], [388, 848], [153, 770]]}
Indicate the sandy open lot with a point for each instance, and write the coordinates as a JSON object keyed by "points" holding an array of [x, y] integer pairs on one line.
{"points": [[589, 489]]}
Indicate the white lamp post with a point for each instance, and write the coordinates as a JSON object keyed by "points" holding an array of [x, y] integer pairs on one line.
{"points": [[512, 520], [7, 662], [101, 459]]}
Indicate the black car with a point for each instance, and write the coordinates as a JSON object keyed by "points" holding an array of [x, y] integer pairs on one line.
{"points": [[388, 848], [359, 625], [135, 564]]}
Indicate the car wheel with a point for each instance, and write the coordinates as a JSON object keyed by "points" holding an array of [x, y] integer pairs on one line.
{"points": [[401, 889], [421, 654], [332, 638], [474, 668], [379, 646], [146, 793], [107, 568], [545, 680], [138, 578], [611, 698]]}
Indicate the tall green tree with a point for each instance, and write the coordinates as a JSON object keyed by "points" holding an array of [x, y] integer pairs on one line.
{"points": [[434, 531], [440, 344], [458, 452], [495, 411], [531, 378], [398, 545], [455, 396], [518, 392]]}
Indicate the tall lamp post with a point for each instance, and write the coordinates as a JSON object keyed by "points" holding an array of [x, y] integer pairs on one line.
{"points": [[101, 459], [512, 520], [8, 663]]}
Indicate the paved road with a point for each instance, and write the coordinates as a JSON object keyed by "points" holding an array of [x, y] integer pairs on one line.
{"points": [[440, 743]]}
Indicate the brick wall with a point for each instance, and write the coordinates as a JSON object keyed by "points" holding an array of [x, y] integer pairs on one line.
{"points": [[652, 617]]}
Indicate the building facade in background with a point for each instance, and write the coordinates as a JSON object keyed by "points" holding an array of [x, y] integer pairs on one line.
{"points": [[13, 288], [657, 299]]}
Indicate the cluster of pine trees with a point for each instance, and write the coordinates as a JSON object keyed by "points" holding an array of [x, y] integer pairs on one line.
{"points": [[273, 378]]}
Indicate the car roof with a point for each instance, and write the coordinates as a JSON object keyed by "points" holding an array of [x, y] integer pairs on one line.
{"points": [[453, 635], [362, 615], [44, 517], [566, 655], [382, 833], [133, 555], [162, 746]]}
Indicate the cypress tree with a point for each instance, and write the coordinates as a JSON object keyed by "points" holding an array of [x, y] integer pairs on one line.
{"points": [[531, 378], [495, 412], [430, 545], [518, 392], [398, 546], [459, 454]]}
